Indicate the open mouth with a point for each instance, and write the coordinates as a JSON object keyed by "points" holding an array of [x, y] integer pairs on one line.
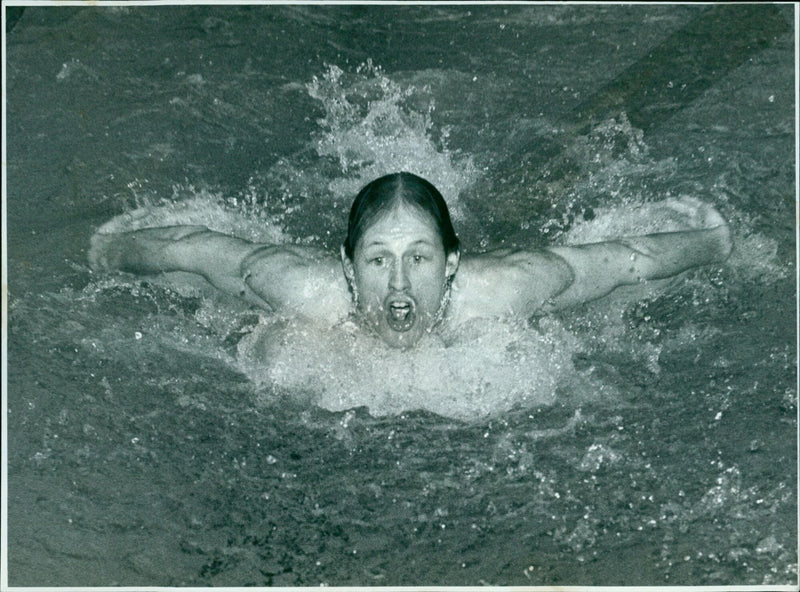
{"points": [[400, 313]]}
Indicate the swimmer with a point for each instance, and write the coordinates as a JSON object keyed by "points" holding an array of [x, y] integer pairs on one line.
{"points": [[401, 274]]}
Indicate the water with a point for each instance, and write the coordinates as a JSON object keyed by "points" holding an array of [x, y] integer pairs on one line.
{"points": [[647, 439]]}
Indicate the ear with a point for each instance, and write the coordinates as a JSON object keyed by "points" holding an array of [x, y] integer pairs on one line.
{"points": [[347, 267], [451, 264]]}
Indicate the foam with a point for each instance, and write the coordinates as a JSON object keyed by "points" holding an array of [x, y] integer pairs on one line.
{"points": [[374, 125], [755, 258], [242, 217], [484, 369]]}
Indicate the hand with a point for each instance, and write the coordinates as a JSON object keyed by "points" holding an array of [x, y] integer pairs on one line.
{"points": [[699, 214], [104, 251], [703, 216]]}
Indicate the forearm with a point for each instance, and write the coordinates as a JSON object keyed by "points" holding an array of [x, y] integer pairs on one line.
{"points": [[177, 248], [663, 255], [193, 249], [599, 268]]}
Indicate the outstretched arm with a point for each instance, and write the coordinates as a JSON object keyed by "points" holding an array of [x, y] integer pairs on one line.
{"points": [[525, 282], [193, 249], [269, 276], [599, 268]]}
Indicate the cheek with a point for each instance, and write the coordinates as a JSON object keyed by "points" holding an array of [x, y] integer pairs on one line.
{"points": [[429, 284], [371, 286]]}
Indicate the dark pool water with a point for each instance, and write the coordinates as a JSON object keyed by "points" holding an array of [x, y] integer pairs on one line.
{"points": [[647, 439]]}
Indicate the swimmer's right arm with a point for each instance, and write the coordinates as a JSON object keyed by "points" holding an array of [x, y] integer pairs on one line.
{"points": [[298, 278], [194, 249]]}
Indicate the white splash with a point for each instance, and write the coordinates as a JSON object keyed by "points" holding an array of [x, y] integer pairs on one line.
{"points": [[243, 217], [489, 368], [374, 125]]}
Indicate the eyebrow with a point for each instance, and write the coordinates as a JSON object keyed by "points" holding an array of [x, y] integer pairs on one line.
{"points": [[422, 242], [380, 243]]}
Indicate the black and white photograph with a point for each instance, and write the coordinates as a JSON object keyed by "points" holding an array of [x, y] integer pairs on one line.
{"points": [[400, 295]]}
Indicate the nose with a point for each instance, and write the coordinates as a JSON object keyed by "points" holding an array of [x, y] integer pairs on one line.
{"points": [[398, 278]]}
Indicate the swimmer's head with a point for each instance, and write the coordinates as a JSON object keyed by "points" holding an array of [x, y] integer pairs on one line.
{"points": [[400, 255], [384, 193]]}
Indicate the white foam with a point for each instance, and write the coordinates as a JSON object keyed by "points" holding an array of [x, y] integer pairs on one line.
{"points": [[490, 368], [374, 125], [755, 257], [668, 215], [238, 217]]}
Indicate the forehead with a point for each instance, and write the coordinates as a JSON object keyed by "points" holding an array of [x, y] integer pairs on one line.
{"points": [[401, 223]]}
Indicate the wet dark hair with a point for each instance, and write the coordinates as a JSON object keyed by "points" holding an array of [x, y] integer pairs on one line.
{"points": [[383, 193]]}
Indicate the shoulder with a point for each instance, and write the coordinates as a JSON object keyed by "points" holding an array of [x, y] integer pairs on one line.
{"points": [[304, 280], [508, 282]]}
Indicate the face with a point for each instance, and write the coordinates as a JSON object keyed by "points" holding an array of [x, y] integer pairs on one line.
{"points": [[400, 271]]}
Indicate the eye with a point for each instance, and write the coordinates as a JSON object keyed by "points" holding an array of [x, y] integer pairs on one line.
{"points": [[377, 261], [417, 259]]}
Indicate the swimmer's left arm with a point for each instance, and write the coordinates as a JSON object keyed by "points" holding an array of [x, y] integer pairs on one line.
{"points": [[519, 282], [599, 268]]}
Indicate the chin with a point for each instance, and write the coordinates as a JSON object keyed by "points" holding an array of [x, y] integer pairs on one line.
{"points": [[401, 340]]}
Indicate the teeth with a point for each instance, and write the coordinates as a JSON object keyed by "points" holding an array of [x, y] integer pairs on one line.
{"points": [[400, 311]]}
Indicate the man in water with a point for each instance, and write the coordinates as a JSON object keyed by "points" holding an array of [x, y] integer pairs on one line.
{"points": [[401, 274]]}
